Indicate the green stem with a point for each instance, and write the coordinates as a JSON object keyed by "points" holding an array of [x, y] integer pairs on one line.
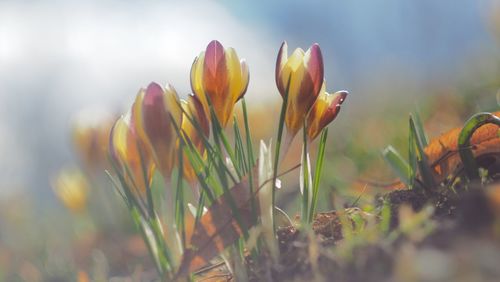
{"points": [[179, 199], [278, 147], [306, 177], [136, 217], [157, 230], [317, 173]]}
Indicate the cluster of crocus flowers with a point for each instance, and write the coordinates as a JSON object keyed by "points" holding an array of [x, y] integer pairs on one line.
{"points": [[148, 133], [162, 132], [220, 78], [145, 138], [300, 76]]}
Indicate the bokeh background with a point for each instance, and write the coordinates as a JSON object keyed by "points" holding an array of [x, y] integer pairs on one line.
{"points": [[59, 58]]}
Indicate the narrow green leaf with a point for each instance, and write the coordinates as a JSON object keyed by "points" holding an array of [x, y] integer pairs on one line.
{"points": [[179, 197], [148, 238], [196, 161], [221, 139], [412, 158], [201, 205], [250, 157], [397, 163], [305, 175], [317, 172], [420, 128], [239, 148], [422, 161]]}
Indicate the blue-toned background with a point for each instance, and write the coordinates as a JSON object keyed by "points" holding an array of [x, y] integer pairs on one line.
{"points": [[57, 57]]}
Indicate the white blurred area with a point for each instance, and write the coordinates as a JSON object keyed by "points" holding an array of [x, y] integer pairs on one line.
{"points": [[57, 57]]}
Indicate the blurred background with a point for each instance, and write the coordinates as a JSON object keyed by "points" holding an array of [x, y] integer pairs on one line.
{"points": [[71, 62]]}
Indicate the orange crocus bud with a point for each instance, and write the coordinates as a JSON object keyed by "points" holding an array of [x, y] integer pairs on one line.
{"points": [[221, 76], [90, 135], [71, 188], [154, 113], [324, 111], [194, 108], [129, 155], [305, 71]]}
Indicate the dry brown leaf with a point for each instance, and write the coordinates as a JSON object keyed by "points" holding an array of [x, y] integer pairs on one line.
{"points": [[217, 229], [442, 152]]}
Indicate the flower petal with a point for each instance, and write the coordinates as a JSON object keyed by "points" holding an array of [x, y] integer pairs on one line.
{"points": [[280, 63], [314, 65]]}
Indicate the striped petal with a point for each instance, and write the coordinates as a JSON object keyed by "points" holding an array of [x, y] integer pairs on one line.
{"points": [[197, 80], [215, 76], [314, 64], [245, 77]]}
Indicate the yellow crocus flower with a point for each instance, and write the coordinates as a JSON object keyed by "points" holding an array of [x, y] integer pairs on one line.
{"points": [[219, 75], [325, 110], [155, 113], [305, 71]]}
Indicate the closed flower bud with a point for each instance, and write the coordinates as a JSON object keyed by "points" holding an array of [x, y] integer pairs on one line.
{"points": [[129, 155], [220, 76], [154, 113], [302, 73], [324, 111]]}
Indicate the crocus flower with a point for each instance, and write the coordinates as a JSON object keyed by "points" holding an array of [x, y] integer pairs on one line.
{"points": [[90, 135], [324, 111], [219, 75], [154, 113], [196, 112], [305, 71], [71, 188], [129, 155]]}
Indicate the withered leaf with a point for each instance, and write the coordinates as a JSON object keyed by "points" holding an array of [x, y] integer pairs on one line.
{"points": [[442, 152], [218, 228]]}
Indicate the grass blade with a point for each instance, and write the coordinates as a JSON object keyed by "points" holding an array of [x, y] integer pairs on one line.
{"points": [[422, 161], [420, 128], [398, 164], [179, 198], [250, 157]]}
